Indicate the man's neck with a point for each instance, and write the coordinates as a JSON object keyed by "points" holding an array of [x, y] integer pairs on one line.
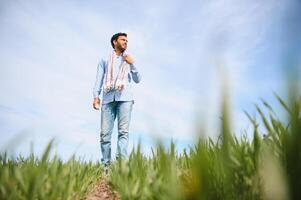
{"points": [[118, 52]]}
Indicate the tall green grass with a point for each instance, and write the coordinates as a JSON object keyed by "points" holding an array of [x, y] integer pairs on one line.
{"points": [[45, 177], [266, 167]]}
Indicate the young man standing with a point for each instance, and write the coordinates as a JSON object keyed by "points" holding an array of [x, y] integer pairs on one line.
{"points": [[115, 75]]}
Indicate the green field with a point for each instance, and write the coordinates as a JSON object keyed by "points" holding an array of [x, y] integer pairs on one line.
{"points": [[266, 167], [33, 178]]}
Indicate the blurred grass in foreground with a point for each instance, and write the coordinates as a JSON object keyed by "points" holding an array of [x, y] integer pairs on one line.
{"points": [[268, 167], [45, 178]]}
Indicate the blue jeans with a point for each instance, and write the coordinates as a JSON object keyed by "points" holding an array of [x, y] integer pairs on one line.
{"points": [[122, 110]]}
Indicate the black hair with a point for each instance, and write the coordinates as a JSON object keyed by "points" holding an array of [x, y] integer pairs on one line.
{"points": [[115, 37]]}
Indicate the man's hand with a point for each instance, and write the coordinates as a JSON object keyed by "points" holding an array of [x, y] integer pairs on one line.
{"points": [[96, 103], [128, 59]]}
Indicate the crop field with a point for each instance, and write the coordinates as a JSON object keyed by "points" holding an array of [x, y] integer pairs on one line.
{"points": [[266, 167]]}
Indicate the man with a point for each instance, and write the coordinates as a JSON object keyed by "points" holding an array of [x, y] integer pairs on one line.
{"points": [[113, 80]]}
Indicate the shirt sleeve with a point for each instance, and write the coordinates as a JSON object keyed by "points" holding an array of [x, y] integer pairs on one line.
{"points": [[135, 74], [99, 79]]}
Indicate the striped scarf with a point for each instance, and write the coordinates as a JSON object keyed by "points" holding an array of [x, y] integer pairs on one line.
{"points": [[121, 79]]}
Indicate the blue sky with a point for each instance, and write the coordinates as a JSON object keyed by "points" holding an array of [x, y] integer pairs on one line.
{"points": [[49, 53]]}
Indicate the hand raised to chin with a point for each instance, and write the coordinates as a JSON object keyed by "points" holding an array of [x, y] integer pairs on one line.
{"points": [[128, 59]]}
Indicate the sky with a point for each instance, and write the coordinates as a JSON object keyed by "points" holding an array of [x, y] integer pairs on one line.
{"points": [[187, 53]]}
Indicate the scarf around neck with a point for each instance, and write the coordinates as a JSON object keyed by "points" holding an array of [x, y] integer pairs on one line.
{"points": [[120, 82]]}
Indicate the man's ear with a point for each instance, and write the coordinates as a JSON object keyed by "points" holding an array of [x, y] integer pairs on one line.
{"points": [[114, 42]]}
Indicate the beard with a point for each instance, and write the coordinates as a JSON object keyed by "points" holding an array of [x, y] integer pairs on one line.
{"points": [[120, 48]]}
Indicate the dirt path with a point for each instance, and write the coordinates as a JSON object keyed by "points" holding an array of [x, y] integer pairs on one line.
{"points": [[102, 191]]}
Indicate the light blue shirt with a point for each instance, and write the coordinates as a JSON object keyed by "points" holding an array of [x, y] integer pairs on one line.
{"points": [[115, 95]]}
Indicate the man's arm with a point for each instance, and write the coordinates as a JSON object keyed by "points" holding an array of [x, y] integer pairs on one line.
{"points": [[135, 74], [98, 85]]}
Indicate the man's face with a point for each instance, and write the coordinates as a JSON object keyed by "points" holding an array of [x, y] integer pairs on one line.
{"points": [[121, 43]]}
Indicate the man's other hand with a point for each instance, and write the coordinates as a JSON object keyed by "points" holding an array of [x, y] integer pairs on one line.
{"points": [[96, 103]]}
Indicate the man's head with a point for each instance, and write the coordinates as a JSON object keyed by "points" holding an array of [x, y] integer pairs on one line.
{"points": [[119, 41]]}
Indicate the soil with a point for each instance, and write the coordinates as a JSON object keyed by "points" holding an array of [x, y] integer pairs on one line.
{"points": [[102, 191]]}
